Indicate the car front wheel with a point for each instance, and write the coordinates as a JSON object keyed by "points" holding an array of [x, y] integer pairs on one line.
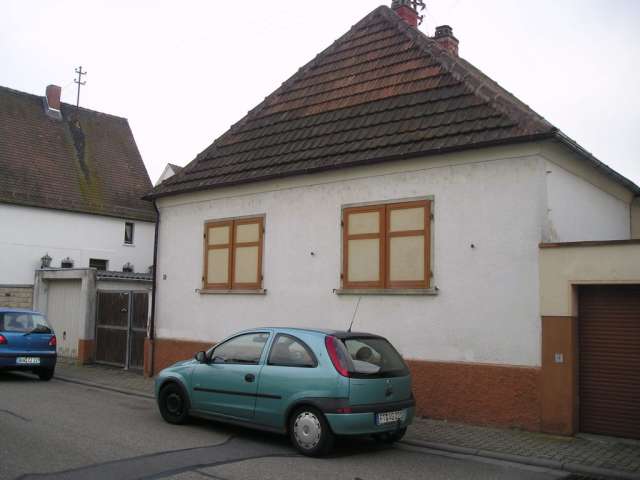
{"points": [[173, 404], [310, 432]]}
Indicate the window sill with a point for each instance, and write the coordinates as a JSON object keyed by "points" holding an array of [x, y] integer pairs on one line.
{"points": [[231, 292], [387, 291], [128, 245]]}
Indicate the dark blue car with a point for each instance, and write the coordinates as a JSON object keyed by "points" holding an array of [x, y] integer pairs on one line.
{"points": [[27, 342]]}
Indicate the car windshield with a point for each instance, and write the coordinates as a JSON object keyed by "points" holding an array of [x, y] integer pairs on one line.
{"points": [[20, 322], [375, 357]]}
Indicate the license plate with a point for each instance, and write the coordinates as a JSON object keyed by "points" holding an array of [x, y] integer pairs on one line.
{"points": [[27, 361], [390, 417]]}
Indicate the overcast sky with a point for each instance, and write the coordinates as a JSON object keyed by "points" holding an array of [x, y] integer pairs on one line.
{"points": [[183, 71]]}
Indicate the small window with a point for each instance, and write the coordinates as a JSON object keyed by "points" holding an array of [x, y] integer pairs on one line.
{"points": [[128, 233], [387, 246], [288, 351], [233, 254], [98, 264], [243, 349]]}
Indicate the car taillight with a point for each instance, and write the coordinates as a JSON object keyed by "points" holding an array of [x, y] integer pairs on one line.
{"points": [[53, 342], [3, 340], [337, 355]]}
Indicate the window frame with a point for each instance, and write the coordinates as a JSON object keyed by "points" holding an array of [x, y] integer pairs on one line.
{"points": [[295, 339], [133, 230], [385, 284], [232, 245]]}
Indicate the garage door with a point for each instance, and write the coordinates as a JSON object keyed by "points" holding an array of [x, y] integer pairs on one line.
{"points": [[609, 336], [63, 311]]}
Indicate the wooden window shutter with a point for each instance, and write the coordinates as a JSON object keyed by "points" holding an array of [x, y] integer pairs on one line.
{"points": [[387, 246], [408, 245], [363, 247], [247, 254], [233, 254], [218, 255]]}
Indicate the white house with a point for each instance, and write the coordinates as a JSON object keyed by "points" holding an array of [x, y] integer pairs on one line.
{"points": [[71, 182], [391, 171]]}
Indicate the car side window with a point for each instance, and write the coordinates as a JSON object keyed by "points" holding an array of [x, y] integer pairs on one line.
{"points": [[244, 349], [288, 351]]}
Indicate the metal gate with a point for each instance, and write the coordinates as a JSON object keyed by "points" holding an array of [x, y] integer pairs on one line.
{"points": [[609, 342], [121, 327]]}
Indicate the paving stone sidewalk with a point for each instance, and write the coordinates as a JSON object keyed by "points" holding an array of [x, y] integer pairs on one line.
{"points": [[606, 457], [586, 454], [103, 376]]}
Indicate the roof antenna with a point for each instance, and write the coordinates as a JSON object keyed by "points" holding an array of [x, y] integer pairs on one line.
{"points": [[355, 312], [80, 83]]}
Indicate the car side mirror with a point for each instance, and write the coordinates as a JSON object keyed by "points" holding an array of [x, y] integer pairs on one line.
{"points": [[201, 357]]}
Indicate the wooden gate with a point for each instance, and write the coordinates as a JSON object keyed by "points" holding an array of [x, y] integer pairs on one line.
{"points": [[121, 327], [609, 336]]}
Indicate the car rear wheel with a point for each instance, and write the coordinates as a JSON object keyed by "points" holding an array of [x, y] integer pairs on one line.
{"points": [[173, 404], [45, 374], [310, 432], [390, 437]]}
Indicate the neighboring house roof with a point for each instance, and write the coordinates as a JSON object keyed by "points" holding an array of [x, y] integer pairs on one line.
{"points": [[169, 171], [383, 91], [112, 275], [45, 162]]}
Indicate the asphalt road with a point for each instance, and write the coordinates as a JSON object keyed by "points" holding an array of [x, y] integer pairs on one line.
{"points": [[59, 430]]}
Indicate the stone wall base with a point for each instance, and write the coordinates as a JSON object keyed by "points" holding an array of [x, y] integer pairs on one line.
{"points": [[481, 394], [16, 296], [167, 352], [86, 351]]}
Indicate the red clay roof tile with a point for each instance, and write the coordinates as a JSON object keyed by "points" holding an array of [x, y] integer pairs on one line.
{"points": [[383, 91], [50, 163]]}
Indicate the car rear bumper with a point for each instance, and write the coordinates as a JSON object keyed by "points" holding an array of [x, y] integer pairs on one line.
{"points": [[365, 423], [362, 420], [8, 361]]}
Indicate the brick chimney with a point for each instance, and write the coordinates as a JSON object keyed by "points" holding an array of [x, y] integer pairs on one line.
{"points": [[52, 101], [444, 37], [408, 11]]}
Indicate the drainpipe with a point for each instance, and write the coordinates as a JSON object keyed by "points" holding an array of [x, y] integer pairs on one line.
{"points": [[152, 322]]}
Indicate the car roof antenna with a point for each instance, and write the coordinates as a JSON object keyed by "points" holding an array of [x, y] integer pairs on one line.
{"points": [[355, 312]]}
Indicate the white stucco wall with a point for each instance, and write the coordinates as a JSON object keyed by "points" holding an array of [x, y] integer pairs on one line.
{"points": [[487, 308], [583, 204], [28, 233]]}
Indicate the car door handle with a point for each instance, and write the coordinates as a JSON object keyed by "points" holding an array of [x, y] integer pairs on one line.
{"points": [[249, 377]]}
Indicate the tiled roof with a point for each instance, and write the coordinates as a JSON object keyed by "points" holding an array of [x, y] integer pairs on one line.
{"points": [[50, 163], [383, 91], [112, 275]]}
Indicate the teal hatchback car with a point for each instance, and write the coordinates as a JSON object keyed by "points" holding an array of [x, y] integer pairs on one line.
{"points": [[309, 384]]}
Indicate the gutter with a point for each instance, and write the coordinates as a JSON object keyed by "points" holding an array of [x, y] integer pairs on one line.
{"points": [[610, 172], [152, 321]]}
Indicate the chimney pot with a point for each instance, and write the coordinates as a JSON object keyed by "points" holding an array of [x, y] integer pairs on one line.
{"points": [[53, 96], [444, 37]]}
